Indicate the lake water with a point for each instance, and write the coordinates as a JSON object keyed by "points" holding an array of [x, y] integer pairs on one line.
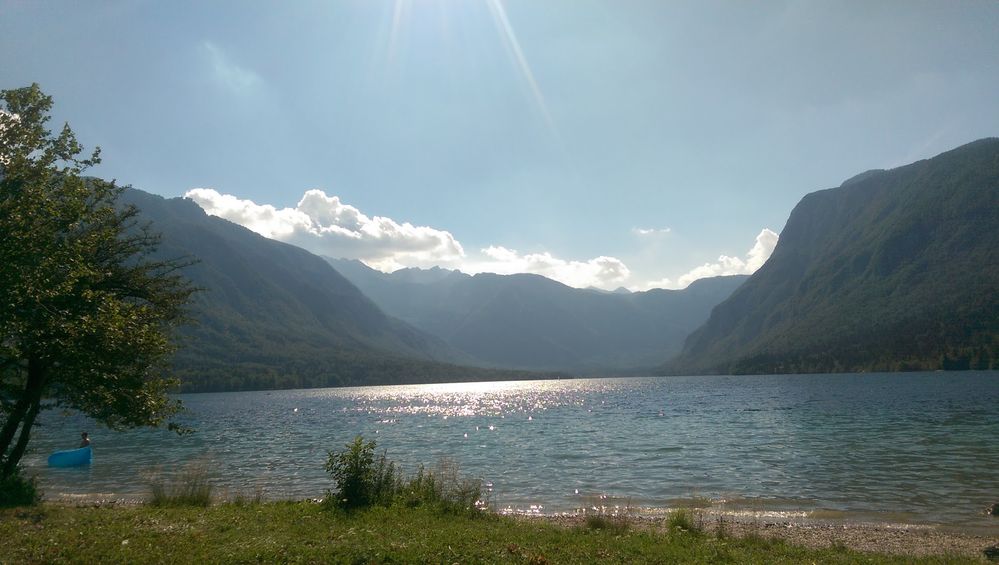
{"points": [[918, 448]]}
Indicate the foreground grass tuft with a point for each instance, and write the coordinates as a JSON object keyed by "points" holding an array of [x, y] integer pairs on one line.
{"points": [[615, 524], [280, 532], [683, 520], [191, 487]]}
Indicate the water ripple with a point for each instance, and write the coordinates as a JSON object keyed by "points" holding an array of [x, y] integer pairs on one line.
{"points": [[918, 445]]}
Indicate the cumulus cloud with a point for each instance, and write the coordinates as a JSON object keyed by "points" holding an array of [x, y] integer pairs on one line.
{"points": [[601, 272], [754, 259], [325, 225]]}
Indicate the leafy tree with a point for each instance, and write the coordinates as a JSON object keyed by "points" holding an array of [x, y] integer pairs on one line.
{"points": [[85, 313]]}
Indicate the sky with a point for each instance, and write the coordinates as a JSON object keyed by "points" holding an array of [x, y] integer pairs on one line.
{"points": [[601, 143]]}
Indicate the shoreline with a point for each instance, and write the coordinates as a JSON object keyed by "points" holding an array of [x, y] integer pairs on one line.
{"points": [[899, 539], [922, 540]]}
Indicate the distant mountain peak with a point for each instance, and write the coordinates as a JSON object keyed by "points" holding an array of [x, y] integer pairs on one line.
{"points": [[862, 176]]}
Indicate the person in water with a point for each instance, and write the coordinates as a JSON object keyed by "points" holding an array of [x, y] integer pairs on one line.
{"points": [[84, 440]]}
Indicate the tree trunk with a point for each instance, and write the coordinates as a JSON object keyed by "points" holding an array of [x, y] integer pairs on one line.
{"points": [[23, 416], [10, 465], [11, 424]]}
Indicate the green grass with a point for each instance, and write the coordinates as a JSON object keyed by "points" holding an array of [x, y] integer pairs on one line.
{"points": [[615, 524], [192, 487], [683, 520], [306, 532]]}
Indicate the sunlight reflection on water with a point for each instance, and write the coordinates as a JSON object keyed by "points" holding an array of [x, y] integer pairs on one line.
{"points": [[919, 445]]}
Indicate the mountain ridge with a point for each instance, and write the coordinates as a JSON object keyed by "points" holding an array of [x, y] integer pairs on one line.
{"points": [[892, 270], [532, 322], [273, 315]]}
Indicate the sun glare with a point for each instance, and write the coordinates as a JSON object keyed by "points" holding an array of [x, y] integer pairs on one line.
{"points": [[402, 14], [509, 39]]}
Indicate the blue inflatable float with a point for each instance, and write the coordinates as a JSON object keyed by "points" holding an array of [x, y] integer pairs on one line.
{"points": [[71, 457]]}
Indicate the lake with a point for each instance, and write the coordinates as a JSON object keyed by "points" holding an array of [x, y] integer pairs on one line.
{"points": [[916, 448]]}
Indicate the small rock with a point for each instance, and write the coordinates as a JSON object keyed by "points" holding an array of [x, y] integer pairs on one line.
{"points": [[991, 552], [993, 510]]}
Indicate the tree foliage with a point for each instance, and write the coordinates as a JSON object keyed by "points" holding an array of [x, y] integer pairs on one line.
{"points": [[85, 313]]}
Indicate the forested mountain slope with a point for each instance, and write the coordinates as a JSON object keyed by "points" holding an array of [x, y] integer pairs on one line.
{"points": [[272, 315], [893, 270]]}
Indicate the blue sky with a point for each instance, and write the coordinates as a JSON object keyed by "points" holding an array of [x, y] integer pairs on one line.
{"points": [[606, 143]]}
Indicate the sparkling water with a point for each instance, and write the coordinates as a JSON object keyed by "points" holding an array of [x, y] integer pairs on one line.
{"points": [[917, 448]]}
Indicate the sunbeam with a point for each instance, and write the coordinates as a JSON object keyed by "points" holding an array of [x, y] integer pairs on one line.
{"points": [[398, 14], [520, 61], [401, 19]]}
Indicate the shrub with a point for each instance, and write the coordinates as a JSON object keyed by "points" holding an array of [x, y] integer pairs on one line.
{"points": [[360, 480], [17, 490], [191, 487]]}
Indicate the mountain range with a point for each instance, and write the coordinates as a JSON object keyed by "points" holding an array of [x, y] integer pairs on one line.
{"points": [[271, 315], [893, 270], [532, 322]]}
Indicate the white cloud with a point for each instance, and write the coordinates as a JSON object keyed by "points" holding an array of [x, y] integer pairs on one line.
{"points": [[760, 252], [651, 231], [664, 282], [228, 73], [324, 225], [601, 272]]}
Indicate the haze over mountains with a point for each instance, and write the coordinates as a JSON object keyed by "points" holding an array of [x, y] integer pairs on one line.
{"points": [[531, 322], [893, 270]]}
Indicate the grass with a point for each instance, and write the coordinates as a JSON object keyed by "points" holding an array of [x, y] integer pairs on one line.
{"points": [[191, 487], [614, 524], [683, 520], [307, 532]]}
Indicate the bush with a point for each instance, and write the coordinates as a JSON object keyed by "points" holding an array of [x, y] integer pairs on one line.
{"points": [[362, 480], [191, 487], [16, 490]]}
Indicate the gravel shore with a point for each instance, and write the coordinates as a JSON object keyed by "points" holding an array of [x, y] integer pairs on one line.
{"points": [[893, 539], [880, 538]]}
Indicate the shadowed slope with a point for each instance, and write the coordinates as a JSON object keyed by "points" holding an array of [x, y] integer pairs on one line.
{"points": [[275, 316], [893, 270]]}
